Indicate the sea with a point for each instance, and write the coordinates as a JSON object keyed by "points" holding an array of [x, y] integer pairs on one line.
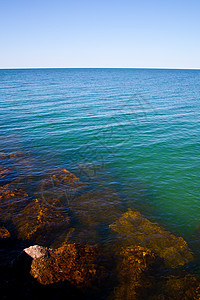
{"points": [[135, 132]]}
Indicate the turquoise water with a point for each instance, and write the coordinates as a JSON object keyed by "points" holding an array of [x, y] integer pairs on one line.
{"points": [[137, 127]]}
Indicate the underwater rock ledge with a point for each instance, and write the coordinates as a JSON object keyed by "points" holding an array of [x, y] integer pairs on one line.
{"points": [[145, 262], [134, 229]]}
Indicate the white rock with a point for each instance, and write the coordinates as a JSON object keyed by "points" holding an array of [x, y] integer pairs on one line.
{"points": [[36, 251]]}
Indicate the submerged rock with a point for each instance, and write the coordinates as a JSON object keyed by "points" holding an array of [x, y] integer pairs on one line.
{"points": [[134, 229], [97, 208], [40, 222], [178, 287], [17, 168], [5, 171], [137, 268], [12, 200], [17, 154], [24, 166], [183, 287], [78, 264], [3, 156], [68, 236], [4, 233], [61, 184]]}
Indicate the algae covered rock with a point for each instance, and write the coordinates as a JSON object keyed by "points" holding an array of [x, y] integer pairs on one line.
{"points": [[4, 233], [17, 154], [12, 200], [94, 210], [179, 287], [60, 184], [136, 268], [75, 263], [134, 229], [3, 156], [183, 287], [17, 167], [40, 222], [5, 171]]}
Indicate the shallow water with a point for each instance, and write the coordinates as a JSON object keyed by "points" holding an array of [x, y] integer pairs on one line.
{"points": [[134, 132]]}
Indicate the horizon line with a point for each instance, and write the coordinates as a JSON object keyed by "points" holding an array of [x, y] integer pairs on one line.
{"points": [[155, 68]]}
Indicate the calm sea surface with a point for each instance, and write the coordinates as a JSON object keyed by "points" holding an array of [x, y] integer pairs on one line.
{"points": [[134, 131]]}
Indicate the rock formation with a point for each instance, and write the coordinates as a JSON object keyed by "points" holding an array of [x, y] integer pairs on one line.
{"points": [[4, 233], [137, 269], [78, 264], [12, 200], [134, 229], [40, 222], [61, 184], [96, 208]]}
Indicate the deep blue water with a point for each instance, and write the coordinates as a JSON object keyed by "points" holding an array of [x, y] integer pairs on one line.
{"points": [[137, 128]]}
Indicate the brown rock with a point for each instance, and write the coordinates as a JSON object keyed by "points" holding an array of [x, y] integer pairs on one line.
{"points": [[134, 229], [136, 269], [183, 287], [4, 233], [74, 263], [3, 156], [4, 171], [12, 200], [61, 184], [41, 222], [16, 154]]}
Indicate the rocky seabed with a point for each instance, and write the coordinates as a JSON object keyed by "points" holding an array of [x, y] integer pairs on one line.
{"points": [[45, 255]]}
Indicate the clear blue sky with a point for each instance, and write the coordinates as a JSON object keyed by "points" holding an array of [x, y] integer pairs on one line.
{"points": [[91, 33]]}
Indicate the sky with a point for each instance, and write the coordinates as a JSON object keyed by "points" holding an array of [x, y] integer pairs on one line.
{"points": [[104, 34]]}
